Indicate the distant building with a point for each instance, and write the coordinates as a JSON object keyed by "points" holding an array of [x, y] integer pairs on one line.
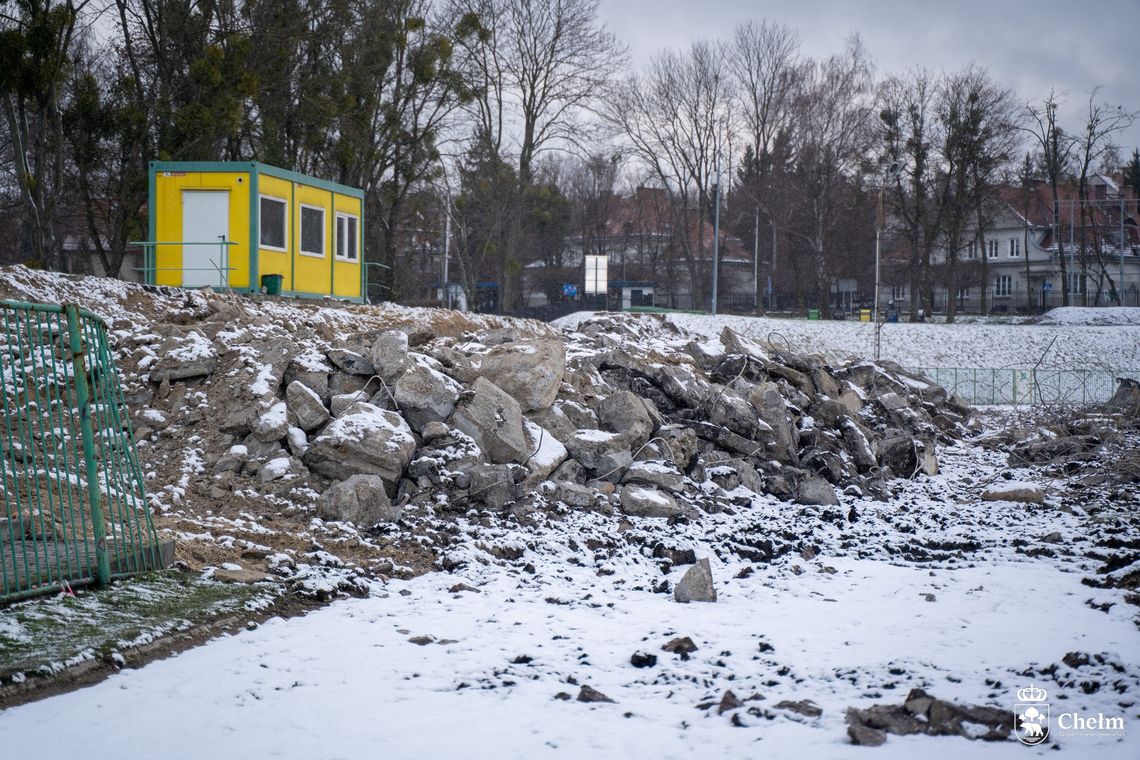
{"points": [[1016, 259]]}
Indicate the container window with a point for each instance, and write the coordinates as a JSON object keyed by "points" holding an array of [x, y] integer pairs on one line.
{"points": [[346, 237], [313, 230], [273, 223]]}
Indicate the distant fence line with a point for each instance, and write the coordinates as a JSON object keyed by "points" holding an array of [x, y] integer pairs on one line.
{"points": [[1043, 385]]}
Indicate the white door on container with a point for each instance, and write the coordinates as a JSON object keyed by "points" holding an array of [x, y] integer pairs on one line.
{"points": [[205, 219]]}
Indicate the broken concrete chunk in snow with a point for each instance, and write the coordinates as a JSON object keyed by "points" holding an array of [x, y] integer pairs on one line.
{"points": [[361, 499], [921, 713], [493, 419], [297, 441], [239, 574], [816, 491], [273, 423], [773, 410], [529, 370], [624, 413], [1014, 490], [311, 370], [697, 584], [658, 474], [590, 694], [306, 406], [734, 343], [181, 358], [546, 452], [648, 502], [593, 449], [274, 469], [365, 440], [390, 354], [857, 444], [351, 362], [425, 395]]}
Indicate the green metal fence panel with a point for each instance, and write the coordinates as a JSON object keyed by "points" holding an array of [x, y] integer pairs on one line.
{"points": [[75, 509], [1037, 385]]}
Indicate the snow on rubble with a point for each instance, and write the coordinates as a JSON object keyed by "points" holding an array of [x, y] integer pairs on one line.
{"points": [[478, 662], [515, 507]]}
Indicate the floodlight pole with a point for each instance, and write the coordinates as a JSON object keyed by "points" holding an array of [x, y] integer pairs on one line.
{"points": [[716, 234], [756, 264]]}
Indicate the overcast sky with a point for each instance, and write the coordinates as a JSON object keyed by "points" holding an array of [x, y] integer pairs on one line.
{"points": [[1029, 46]]}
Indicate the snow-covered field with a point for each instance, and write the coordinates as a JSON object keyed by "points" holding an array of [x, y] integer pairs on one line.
{"points": [[923, 345], [933, 589], [1087, 315]]}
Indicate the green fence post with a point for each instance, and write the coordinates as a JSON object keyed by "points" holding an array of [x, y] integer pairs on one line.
{"points": [[83, 401]]}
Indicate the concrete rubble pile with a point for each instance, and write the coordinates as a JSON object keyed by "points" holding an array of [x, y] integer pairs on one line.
{"points": [[625, 414]]}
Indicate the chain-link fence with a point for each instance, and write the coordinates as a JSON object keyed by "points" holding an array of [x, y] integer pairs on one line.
{"points": [[74, 505], [1042, 385]]}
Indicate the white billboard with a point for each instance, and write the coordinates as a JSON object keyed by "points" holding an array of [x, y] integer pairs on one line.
{"points": [[597, 275]]}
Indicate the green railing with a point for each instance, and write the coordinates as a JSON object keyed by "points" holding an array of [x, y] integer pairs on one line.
{"points": [[150, 268], [74, 504], [1041, 385]]}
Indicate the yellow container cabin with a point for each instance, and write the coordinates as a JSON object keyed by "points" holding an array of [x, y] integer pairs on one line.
{"points": [[234, 224]]}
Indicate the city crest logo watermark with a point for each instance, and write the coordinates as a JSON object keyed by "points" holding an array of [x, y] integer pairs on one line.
{"points": [[1031, 720], [1031, 715]]}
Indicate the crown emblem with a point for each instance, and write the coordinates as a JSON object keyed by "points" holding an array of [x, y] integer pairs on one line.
{"points": [[1031, 694]]}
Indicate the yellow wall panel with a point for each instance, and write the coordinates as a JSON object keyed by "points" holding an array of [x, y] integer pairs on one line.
{"points": [[271, 261], [312, 274]]}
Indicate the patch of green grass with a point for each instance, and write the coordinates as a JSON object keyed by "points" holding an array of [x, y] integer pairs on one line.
{"points": [[49, 633]]}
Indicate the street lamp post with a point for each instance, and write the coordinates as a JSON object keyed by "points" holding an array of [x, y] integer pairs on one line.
{"points": [[447, 253], [756, 264], [893, 170], [878, 238]]}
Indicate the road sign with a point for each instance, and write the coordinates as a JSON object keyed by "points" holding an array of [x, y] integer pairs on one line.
{"points": [[570, 290], [1046, 286]]}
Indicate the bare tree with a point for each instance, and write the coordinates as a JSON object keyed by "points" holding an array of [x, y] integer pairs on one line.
{"points": [[913, 135], [978, 117], [36, 51], [590, 187], [1056, 151], [1092, 145], [541, 68], [677, 119], [832, 144], [765, 62]]}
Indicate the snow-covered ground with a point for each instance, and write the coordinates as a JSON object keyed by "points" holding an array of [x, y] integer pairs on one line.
{"points": [[933, 588], [924, 345], [1087, 315], [847, 606]]}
